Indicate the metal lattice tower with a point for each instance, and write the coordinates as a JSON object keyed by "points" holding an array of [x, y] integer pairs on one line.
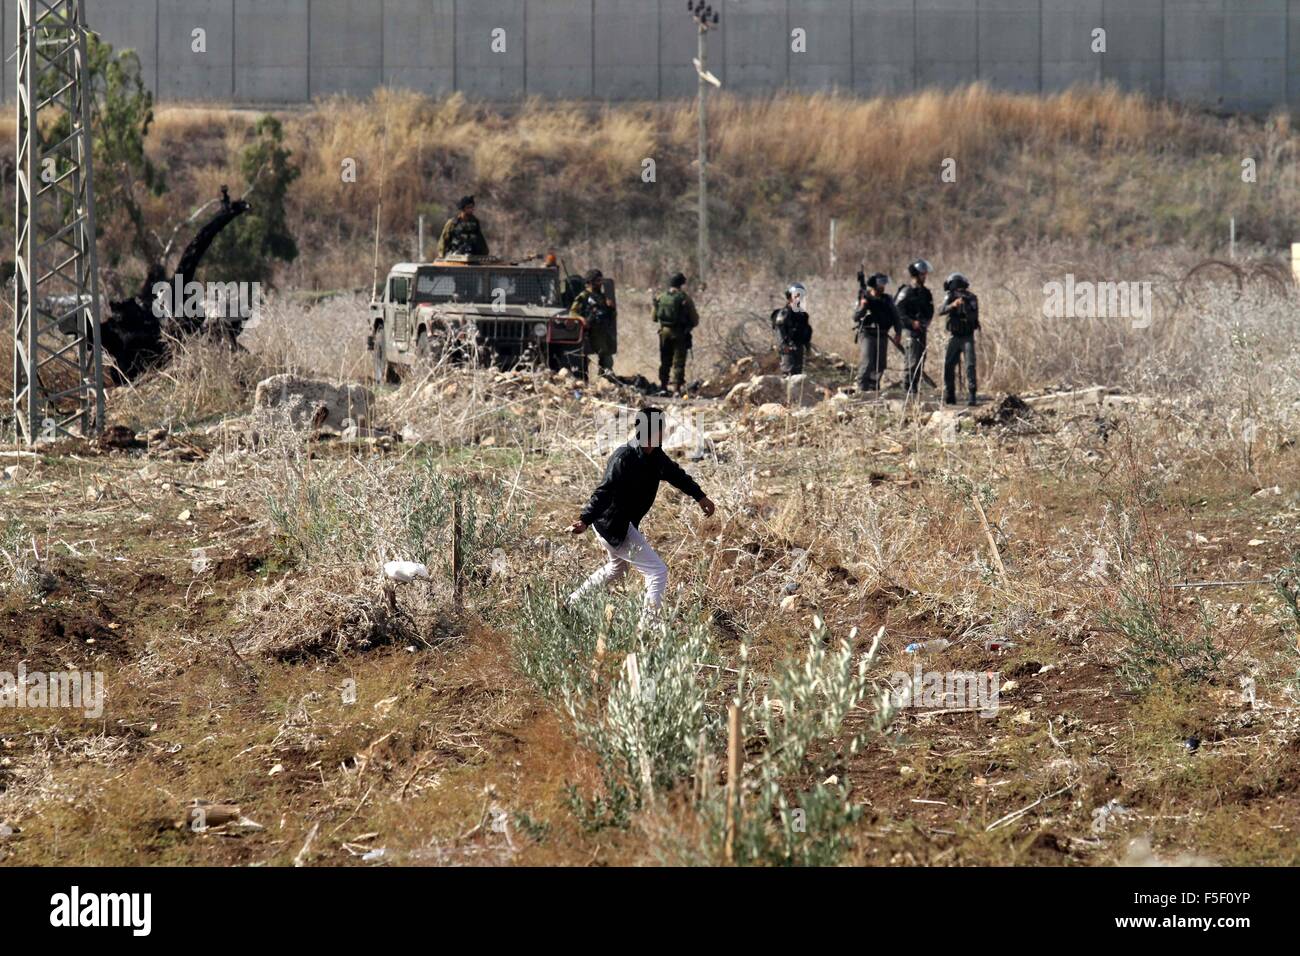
{"points": [[58, 365]]}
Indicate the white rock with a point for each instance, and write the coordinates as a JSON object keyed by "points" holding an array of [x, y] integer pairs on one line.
{"points": [[341, 402], [800, 390]]}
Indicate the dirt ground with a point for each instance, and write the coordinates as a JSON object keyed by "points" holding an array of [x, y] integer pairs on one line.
{"points": [[159, 567]]}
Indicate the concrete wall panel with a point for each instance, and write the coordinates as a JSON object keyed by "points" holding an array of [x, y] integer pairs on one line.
{"points": [[1008, 44], [420, 45], [127, 25], [1293, 53], [758, 53], [1255, 52], [481, 70], [626, 60], [884, 46], [947, 47], [828, 62], [8, 41], [1135, 38], [183, 72], [271, 52], [1194, 49], [559, 51], [347, 46], [1066, 37]]}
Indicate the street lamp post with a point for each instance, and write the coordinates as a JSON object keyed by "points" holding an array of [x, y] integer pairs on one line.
{"points": [[706, 19]]}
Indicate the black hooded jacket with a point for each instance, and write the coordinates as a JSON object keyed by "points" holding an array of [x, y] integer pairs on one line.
{"points": [[631, 483]]}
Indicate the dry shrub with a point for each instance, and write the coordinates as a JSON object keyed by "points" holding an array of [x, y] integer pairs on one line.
{"points": [[202, 381], [335, 611], [1089, 166]]}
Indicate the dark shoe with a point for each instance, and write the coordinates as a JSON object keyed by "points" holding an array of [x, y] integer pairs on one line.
{"points": [[949, 398], [971, 403]]}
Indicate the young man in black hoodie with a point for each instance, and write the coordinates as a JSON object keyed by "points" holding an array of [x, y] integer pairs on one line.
{"points": [[617, 506]]}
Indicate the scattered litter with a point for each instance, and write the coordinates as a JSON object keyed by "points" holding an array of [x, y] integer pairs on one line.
{"points": [[201, 816], [404, 572], [1103, 816], [1140, 854], [937, 644]]}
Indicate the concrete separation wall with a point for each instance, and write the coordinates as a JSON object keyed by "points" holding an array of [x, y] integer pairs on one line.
{"points": [[1233, 54]]}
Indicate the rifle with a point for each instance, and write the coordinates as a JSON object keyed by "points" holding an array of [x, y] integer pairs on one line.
{"points": [[925, 376]]}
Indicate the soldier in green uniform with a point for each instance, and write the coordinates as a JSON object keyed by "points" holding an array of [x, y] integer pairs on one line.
{"points": [[462, 235], [676, 316], [595, 308]]}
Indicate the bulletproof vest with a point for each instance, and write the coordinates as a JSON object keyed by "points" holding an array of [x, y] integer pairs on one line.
{"points": [[877, 314], [670, 310], [794, 327], [464, 236], [915, 304], [594, 309], [965, 319]]}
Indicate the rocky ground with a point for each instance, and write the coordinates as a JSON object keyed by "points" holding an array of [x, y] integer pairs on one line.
{"points": [[271, 698]]}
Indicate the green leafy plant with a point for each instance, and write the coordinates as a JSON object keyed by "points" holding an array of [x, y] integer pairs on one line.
{"points": [[249, 249], [804, 718]]}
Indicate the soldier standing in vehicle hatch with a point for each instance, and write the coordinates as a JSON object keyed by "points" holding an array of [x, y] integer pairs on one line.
{"points": [[463, 235]]}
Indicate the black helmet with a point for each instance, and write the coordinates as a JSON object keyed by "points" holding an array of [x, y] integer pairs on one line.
{"points": [[595, 275], [465, 202], [879, 281], [677, 281], [919, 267], [955, 281]]}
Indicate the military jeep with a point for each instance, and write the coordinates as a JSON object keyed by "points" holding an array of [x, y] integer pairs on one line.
{"points": [[477, 309]]}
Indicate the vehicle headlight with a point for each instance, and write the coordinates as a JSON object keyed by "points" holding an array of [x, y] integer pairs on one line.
{"points": [[539, 330]]}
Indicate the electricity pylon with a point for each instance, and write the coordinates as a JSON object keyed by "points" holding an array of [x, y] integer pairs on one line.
{"points": [[58, 363]]}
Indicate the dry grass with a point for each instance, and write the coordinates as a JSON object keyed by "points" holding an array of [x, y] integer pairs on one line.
{"points": [[1087, 167], [226, 675]]}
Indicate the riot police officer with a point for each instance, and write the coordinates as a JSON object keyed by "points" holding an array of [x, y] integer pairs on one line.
{"points": [[915, 306], [962, 308], [793, 328], [875, 322]]}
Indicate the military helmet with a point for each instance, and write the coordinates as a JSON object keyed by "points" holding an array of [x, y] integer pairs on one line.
{"points": [[955, 281], [677, 281], [797, 289], [919, 267], [465, 202], [878, 281], [595, 275]]}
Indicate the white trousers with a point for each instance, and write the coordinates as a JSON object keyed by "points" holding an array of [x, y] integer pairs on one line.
{"points": [[634, 552]]}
